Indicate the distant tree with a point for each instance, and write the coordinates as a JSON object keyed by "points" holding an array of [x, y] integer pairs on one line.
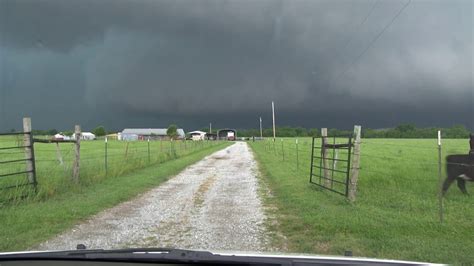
{"points": [[286, 132], [99, 131], [268, 132], [68, 133], [368, 133], [52, 132], [406, 127], [401, 131], [313, 132], [172, 131], [456, 131], [301, 132], [334, 132], [393, 134]]}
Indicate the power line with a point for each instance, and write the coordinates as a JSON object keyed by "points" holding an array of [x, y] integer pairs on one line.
{"points": [[362, 23], [374, 40], [351, 37]]}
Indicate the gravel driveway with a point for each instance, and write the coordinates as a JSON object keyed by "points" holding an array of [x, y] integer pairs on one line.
{"points": [[211, 205]]}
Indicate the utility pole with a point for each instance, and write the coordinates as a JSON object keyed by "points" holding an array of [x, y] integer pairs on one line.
{"points": [[261, 132], [273, 115], [210, 128]]}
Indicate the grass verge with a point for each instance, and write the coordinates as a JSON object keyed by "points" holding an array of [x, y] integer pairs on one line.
{"points": [[26, 224], [395, 216], [54, 177]]}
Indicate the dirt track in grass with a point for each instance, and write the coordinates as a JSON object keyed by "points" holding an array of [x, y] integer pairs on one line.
{"points": [[211, 205]]}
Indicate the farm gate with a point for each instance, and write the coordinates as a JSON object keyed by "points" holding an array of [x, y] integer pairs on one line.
{"points": [[331, 163], [17, 162]]}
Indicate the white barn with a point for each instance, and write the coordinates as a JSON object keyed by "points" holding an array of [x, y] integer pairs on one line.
{"points": [[59, 136], [85, 136], [197, 135]]}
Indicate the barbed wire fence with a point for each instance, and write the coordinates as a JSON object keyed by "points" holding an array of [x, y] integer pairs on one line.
{"points": [[114, 154], [57, 161], [408, 167]]}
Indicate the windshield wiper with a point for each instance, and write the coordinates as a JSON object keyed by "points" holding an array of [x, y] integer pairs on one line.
{"points": [[156, 255], [179, 256], [165, 253]]}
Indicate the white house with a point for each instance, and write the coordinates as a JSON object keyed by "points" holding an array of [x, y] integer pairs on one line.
{"points": [[197, 135], [85, 136], [61, 136]]}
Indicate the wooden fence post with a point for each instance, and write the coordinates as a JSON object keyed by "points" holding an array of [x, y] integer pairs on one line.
{"points": [[77, 153], [282, 151], [105, 156], [440, 177], [148, 149], [58, 154], [126, 150], [336, 158], [29, 150], [324, 155], [354, 175], [297, 159], [289, 151]]}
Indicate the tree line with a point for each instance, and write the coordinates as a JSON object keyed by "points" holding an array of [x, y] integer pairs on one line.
{"points": [[400, 131]]}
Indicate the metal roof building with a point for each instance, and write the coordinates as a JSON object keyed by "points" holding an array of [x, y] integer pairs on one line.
{"points": [[227, 134]]}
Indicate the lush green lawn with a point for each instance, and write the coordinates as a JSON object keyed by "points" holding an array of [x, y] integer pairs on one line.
{"points": [[27, 222], [396, 212]]}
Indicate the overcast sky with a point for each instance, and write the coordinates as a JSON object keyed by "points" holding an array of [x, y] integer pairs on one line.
{"points": [[148, 63]]}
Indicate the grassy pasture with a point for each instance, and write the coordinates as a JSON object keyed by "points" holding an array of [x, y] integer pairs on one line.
{"points": [[54, 178], [396, 213], [27, 223], [59, 203]]}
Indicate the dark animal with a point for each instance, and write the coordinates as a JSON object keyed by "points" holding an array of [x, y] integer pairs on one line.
{"points": [[460, 168], [471, 143]]}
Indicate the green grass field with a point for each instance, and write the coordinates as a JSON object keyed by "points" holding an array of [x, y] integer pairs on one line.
{"points": [[25, 223], [54, 178], [396, 212]]}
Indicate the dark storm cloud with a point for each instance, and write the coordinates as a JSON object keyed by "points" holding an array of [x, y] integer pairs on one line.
{"points": [[152, 62]]}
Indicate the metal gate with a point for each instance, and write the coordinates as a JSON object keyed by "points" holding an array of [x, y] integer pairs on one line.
{"points": [[331, 163], [17, 163]]}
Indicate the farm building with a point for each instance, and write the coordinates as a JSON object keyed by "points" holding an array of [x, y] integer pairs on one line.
{"points": [[197, 135], [132, 134], [227, 134], [128, 137], [211, 136], [61, 136], [113, 136], [85, 136]]}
